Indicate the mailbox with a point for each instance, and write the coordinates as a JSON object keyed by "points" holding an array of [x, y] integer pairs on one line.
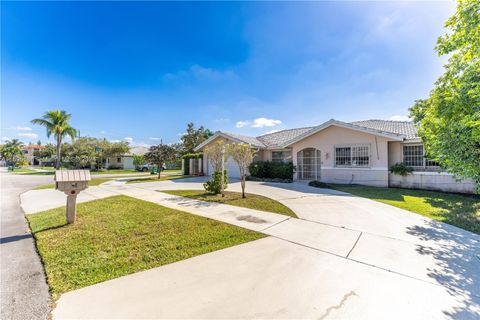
{"points": [[71, 182]]}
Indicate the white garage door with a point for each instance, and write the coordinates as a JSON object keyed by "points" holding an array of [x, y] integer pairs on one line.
{"points": [[231, 166]]}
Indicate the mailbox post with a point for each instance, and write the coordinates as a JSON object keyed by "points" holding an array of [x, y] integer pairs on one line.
{"points": [[71, 182]]}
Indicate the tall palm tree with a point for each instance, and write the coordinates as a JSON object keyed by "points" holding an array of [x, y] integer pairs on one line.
{"points": [[56, 123]]}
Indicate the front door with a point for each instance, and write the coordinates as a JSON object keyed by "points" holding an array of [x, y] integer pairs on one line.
{"points": [[308, 164]]}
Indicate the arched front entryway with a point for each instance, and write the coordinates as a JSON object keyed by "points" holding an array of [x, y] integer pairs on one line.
{"points": [[308, 164]]}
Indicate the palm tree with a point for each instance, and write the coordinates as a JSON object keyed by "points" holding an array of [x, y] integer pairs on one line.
{"points": [[56, 123], [12, 149]]}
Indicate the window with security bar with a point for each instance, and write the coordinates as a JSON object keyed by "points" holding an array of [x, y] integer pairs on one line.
{"points": [[352, 156], [414, 156]]}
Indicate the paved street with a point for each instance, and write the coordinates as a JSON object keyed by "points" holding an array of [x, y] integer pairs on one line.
{"points": [[24, 292]]}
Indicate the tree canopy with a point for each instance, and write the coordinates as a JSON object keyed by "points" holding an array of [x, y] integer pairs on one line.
{"points": [[159, 155], [11, 151], [449, 119], [193, 137]]}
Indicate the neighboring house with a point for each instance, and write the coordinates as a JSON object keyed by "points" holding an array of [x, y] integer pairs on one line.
{"points": [[29, 151], [359, 152], [125, 161]]}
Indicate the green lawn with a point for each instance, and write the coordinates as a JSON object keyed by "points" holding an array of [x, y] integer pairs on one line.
{"points": [[154, 178], [116, 236], [32, 172], [116, 171], [252, 201], [93, 182], [462, 211]]}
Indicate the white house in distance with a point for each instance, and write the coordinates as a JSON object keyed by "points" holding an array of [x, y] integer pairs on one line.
{"points": [[125, 161], [359, 152]]}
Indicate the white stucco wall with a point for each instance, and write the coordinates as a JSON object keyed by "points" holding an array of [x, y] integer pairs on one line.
{"points": [[326, 141], [128, 162], [440, 181]]}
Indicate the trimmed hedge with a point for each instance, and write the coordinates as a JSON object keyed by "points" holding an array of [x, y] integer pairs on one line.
{"points": [[186, 160], [271, 170]]}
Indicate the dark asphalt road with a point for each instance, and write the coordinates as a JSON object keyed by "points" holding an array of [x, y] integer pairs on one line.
{"points": [[23, 289]]}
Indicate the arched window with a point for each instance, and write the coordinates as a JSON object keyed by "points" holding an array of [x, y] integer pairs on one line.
{"points": [[308, 164]]}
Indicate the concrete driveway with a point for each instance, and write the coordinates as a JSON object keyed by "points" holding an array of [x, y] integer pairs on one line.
{"points": [[346, 257]]}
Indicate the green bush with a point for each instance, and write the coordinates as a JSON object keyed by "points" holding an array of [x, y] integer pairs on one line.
{"points": [[214, 185], [186, 161], [271, 170], [400, 169]]}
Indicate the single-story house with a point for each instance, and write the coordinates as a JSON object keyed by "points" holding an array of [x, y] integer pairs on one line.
{"points": [[359, 152], [125, 161]]}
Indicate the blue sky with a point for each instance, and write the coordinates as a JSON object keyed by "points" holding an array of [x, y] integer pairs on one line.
{"points": [[141, 71]]}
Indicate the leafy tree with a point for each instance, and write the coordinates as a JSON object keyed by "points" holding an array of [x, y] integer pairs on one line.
{"points": [[159, 155], [243, 155], [138, 160], [113, 149], [12, 152], [46, 154], [193, 137], [57, 123], [449, 119], [81, 153]]}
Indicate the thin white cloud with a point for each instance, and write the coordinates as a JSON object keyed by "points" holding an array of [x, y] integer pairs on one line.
{"points": [[258, 123], [155, 138], [102, 132], [399, 118], [128, 139], [115, 141], [241, 124], [18, 128], [28, 135], [264, 122], [6, 138]]}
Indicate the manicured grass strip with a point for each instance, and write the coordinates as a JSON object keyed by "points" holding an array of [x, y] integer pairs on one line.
{"points": [[462, 211], [154, 178], [116, 236], [91, 183], [252, 201], [115, 171], [27, 171]]}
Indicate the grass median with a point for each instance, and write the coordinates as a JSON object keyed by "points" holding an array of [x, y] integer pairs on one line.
{"points": [[252, 201], [116, 236]]}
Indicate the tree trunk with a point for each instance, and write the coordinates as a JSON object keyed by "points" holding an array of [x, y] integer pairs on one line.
{"points": [[242, 182], [159, 167], [59, 144]]}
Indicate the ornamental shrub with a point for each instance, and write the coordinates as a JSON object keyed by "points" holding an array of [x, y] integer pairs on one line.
{"points": [[401, 169], [271, 170], [214, 185]]}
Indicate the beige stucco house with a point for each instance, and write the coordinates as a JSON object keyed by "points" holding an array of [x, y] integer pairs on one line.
{"points": [[359, 152]]}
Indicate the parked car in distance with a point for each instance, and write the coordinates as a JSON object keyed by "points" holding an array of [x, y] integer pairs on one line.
{"points": [[148, 167]]}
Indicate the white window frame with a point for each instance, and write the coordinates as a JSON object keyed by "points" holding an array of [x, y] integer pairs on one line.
{"points": [[424, 157], [368, 145], [284, 159]]}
